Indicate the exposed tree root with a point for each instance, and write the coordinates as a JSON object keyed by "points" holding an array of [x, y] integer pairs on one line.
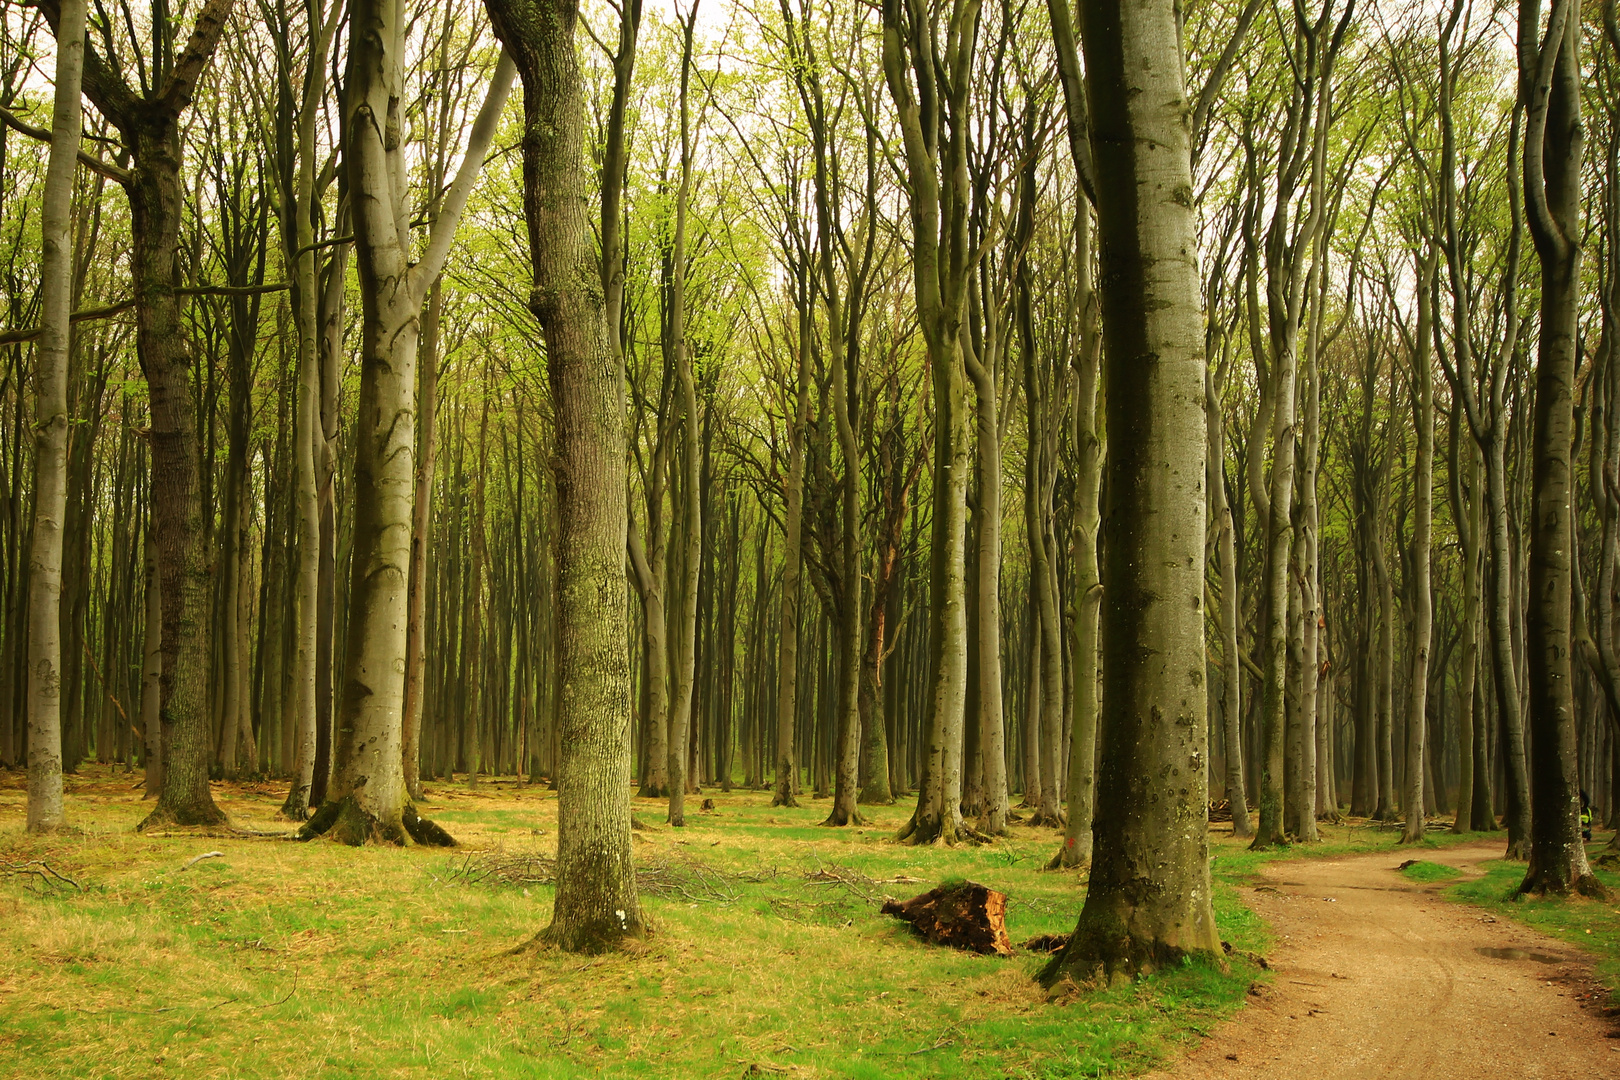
{"points": [[1552, 881], [347, 822], [944, 832], [1068, 857], [1041, 820], [1097, 958], [787, 800], [592, 939], [834, 821], [165, 814]]}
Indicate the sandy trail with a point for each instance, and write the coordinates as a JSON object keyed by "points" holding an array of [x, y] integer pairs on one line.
{"points": [[1377, 976]]}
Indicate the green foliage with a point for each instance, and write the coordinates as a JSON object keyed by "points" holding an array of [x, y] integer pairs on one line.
{"points": [[1427, 871]]}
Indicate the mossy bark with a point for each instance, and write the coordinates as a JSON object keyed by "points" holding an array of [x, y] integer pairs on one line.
{"points": [[1148, 904], [1550, 84], [596, 905]]}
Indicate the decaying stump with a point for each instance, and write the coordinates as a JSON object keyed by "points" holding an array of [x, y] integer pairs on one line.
{"points": [[963, 915]]}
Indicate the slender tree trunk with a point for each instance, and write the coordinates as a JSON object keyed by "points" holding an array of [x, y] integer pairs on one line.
{"points": [[1226, 557], [427, 411], [690, 558], [787, 678], [45, 812], [1421, 589]]}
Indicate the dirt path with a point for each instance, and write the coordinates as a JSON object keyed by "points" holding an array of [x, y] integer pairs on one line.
{"points": [[1377, 976]]}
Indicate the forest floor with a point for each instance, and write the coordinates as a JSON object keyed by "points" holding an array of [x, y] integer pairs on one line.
{"points": [[1377, 974], [769, 956]]}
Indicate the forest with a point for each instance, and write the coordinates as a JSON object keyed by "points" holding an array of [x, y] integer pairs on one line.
{"points": [[696, 473]]}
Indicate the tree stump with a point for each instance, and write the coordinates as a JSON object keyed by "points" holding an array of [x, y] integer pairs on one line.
{"points": [[963, 915]]}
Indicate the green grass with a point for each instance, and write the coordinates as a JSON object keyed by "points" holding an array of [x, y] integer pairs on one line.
{"points": [[1593, 925], [314, 960], [1418, 870]]}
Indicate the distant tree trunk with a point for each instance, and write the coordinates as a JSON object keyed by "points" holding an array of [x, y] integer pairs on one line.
{"points": [[1153, 717], [1226, 559], [596, 904], [1421, 589], [787, 678], [152, 672], [1385, 665], [45, 812], [1465, 504], [690, 558]]}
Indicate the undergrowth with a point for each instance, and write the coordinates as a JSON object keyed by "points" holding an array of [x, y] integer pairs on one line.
{"points": [[768, 956]]}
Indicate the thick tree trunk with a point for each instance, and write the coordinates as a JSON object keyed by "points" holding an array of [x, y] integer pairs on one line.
{"points": [[1550, 86], [45, 812], [186, 585], [1148, 904], [596, 904], [366, 799]]}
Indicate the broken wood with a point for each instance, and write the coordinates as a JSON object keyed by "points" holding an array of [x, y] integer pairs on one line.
{"points": [[962, 915]]}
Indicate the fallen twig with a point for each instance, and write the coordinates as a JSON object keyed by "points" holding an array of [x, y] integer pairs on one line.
{"points": [[46, 874], [195, 859]]}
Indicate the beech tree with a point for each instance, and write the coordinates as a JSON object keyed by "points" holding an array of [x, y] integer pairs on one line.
{"points": [[596, 901], [1153, 712]]}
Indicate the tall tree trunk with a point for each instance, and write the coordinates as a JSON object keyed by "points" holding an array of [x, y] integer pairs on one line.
{"points": [[787, 677], [427, 411], [1226, 559], [1148, 903], [45, 812], [936, 167], [366, 799], [1420, 587], [596, 903], [690, 558], [1550, 80]]}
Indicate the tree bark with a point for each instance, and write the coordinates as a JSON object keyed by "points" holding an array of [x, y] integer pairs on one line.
{"points": [[1148, 904], [1550, 79], [596, 904], [45, 812], [1420, 588], [366, 798]]}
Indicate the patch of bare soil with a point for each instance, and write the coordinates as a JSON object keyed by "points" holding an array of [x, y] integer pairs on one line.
{"points": [[1378, 976]]}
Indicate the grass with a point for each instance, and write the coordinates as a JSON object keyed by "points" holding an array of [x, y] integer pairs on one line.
{"points": [[1418, 870], [1593, 925], [314, 960]]}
